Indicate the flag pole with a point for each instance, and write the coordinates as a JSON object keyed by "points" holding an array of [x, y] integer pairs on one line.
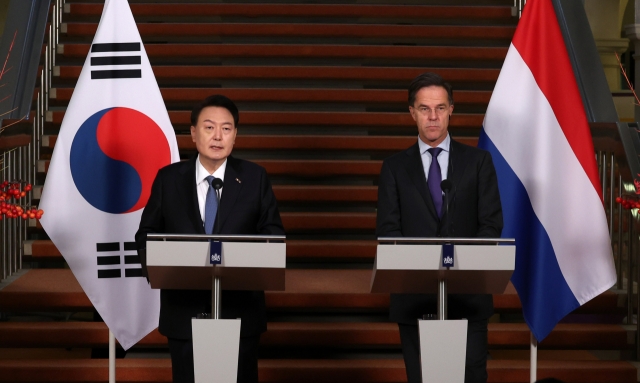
{"points": [[533, 362], [112, 357]]}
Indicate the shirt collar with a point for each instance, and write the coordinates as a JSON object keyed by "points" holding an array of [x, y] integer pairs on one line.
{"points": [[444, 144], [202, 173]]}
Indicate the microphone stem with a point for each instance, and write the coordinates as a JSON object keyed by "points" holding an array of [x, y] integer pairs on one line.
{"points": [[446, 209]]}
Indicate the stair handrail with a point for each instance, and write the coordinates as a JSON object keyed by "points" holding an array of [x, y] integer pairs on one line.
{"points": [[20, 163], [617, 146]]}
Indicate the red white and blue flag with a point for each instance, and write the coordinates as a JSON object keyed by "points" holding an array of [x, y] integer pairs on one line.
{"points": [[115, 135], [537, 132]]}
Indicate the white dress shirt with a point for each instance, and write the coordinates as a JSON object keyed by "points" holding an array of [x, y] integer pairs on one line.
{"points": [[443, 157], [202, 186]]}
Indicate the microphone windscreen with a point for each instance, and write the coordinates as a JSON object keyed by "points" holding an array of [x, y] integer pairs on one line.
{"points": [[445, 185], [217, 183]]}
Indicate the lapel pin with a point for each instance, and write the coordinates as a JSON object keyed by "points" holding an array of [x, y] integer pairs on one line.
{"points": [[238, 181]]}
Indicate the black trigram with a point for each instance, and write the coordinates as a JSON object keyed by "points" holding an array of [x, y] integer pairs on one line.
{"points": [[98, 61], [115, 259]]}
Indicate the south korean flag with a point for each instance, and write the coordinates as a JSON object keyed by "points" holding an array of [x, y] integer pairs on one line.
{"points": [[115, 136]]}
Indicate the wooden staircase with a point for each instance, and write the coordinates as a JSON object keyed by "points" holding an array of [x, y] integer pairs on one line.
{"points": [[322, 95]]}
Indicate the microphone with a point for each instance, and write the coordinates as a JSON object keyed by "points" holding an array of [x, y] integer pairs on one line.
{"points": [[217, 184], [446, 186]]}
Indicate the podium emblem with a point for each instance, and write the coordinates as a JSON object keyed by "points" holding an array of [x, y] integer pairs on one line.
{"points": [[447, 255], [215, 252]]}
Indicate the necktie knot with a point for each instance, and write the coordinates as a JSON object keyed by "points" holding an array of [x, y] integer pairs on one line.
{"points": [[434, 152], [210, 180]]}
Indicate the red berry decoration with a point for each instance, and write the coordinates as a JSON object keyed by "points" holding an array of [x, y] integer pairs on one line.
{"points": [[11, 209]]}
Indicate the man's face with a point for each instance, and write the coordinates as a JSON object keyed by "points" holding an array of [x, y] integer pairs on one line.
{"points": [[431, 111], [214, 136]]}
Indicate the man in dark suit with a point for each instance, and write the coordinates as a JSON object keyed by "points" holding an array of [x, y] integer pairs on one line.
{"points": [[410, 204], [179, 204]]}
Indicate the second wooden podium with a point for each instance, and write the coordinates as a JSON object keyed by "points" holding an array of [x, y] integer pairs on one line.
{"points": [[418, 265], [255, 262]]}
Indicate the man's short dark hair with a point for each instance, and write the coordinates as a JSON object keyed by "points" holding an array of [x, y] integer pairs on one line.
{"points": [[215, 100], [425, 80]]}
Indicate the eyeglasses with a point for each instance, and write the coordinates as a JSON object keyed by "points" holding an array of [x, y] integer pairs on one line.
{"points": [[440, 110]]}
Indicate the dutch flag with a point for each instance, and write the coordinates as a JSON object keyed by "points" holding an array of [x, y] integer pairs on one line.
{"points": [[538, 135]]}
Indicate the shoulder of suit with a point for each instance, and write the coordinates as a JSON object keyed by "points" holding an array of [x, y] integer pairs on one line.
{"points": [[467, 149], [177, 167], [403, 155], [241, 166]]}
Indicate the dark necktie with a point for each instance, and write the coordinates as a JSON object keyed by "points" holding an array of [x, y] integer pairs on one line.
{"points": [[434, 180], [210, 207]]}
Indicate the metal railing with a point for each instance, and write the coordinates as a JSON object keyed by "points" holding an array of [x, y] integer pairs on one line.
{"points": [[20, 163], [614, 153], [518, 6], [17, 165]]}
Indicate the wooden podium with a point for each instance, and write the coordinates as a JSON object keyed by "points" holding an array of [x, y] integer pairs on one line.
{"points": [[415, 265], [249, 262]]}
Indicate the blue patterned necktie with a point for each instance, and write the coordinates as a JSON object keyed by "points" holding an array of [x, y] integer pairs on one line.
{"points": [[210, 207], [434, 180]]}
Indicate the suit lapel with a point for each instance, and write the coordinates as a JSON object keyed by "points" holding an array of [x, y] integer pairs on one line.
{"points": [[416, 173], [231, 189], [457, 167], [189, 194]]}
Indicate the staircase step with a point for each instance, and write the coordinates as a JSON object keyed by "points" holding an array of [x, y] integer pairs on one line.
{"points": [[65, 334], [332, 249], [273, 119], [368, 96], [10, 141], [58, 290], [311, 289], [323, 334], [302, 142], [211, 31], [327, 222], [312, 371], [333, 11], [302, 168], [44, 290], [565, 336], [45, 250], [295, 223], [85, 370], [363, 73], [392, 370], [293, 194], [424, 54]]}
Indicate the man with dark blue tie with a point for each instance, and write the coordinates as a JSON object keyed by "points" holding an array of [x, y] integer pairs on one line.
{"points": [[410, 204], [183, 200]]}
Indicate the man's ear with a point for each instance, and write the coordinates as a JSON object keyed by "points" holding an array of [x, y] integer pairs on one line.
{"points": [[411, 111]]}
